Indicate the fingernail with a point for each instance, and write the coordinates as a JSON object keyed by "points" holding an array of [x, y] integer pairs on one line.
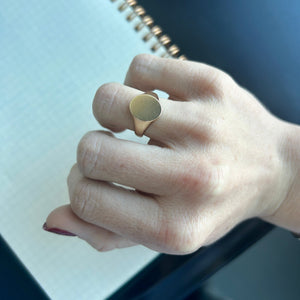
{"points": [[58, 230]]}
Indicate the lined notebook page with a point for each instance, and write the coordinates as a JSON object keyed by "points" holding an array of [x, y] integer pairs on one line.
{"points": [[53, 57]]}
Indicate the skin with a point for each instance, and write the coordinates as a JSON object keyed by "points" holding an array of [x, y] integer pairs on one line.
{"points": [[215, 158]]}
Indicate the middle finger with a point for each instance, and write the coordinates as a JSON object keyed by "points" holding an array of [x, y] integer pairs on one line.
{"points": [[111, 109]]}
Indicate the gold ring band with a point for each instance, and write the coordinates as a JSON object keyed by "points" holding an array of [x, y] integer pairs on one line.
{"points": [[144, 109]]}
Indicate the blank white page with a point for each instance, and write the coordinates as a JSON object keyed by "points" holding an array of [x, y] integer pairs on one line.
{"points": [[53, 57]]}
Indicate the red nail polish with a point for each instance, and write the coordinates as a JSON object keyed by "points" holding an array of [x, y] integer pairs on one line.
{"points": [[58, 231]]}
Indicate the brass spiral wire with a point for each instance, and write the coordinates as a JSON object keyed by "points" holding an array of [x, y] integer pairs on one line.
{"points": [[163, 40]]}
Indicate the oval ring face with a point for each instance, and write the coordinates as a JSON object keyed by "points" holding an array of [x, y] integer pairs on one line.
{"points": [[145, 107]]}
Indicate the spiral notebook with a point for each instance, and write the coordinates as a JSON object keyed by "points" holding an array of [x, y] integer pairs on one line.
{"points": [[54, 56]]}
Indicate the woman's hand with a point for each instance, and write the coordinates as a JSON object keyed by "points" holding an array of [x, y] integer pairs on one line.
{"points": [[215, 157]]}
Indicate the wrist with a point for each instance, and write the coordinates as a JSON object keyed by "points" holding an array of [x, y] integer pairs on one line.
{"points": [[287, 212]]}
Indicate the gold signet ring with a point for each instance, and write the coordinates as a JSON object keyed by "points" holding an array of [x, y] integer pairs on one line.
{"points": [[144, 109]]}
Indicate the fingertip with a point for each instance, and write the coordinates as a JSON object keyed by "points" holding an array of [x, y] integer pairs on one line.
{"points": [[139, 65], [60, 217], [58, 221], [63, 221]]}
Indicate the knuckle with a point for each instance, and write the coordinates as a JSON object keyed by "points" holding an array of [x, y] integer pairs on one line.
{"points": [[69, 178], [208, 130], [188, 179], [101, 244], [199, 126], [196, 179], [191, 182], [217, 83], [88, 151], [104, 100], [138, 68], [174, 237], [81, 203], [223, 80], [101, 248], [138, 61]]}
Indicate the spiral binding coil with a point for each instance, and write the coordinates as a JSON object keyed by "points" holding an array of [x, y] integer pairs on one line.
{"points": [[145, 20]]}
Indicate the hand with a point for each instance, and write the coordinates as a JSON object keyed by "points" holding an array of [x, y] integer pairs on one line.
{"points": [[215, 158]]}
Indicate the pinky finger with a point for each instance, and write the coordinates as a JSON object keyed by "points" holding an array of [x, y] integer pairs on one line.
{"points": [[63, 219]]}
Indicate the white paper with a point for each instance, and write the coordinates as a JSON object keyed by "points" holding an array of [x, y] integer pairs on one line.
{"points": [[53, 57]]}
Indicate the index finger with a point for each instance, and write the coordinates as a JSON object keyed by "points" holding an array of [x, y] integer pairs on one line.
{"points": [[180, 79]]}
